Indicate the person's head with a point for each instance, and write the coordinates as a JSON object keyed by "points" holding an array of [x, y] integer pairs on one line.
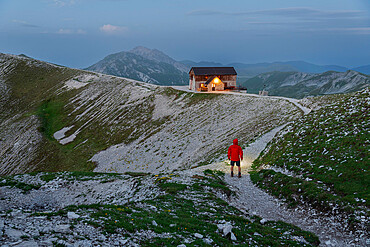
{"points": [[235, 141]]}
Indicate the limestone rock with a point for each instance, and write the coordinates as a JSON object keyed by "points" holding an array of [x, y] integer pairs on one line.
{"points": [[13, 233], [72, 215]]}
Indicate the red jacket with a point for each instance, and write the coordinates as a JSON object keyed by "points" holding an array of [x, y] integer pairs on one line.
{"points": [[235, 152]]}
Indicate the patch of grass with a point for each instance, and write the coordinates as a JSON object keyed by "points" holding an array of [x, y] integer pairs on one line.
{"points": [[172, 188], [214, 179], [20, 185], [137, 174], [50, 113]]}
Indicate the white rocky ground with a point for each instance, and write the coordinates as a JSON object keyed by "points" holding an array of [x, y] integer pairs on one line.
{"points": [[194, 131]]}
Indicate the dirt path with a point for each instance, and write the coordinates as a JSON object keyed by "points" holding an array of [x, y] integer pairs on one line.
{"points": [[253, 200], [305, 110]]}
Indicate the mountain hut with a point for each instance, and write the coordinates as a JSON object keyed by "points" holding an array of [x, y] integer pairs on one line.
{"points": [[210, 79]]}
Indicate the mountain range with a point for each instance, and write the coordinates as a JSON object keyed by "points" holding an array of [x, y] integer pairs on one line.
{"points": [[154, 66], [300, 85]]}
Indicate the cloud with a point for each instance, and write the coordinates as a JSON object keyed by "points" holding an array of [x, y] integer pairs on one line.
{"points": [[71, 31], [206, 12], [65, 31], [62, 3], [350, 30], [111, 29], [24, 23], [294, 12]]}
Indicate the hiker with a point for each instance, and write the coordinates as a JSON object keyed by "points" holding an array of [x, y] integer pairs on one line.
{"points": [[235, 154]]}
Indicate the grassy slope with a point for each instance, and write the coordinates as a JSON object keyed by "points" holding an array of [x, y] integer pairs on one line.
{"points": [[328, 151]]}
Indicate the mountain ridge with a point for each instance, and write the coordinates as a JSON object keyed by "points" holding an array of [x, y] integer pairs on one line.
{"points": [[299, 84], [154, 66]]}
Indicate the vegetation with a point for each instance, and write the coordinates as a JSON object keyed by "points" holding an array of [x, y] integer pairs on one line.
{"points": [[25, 187], [182, 212], [327, 151]]}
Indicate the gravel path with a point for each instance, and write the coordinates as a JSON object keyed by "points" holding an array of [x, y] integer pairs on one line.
{"points": [[304, 109], [253, 200]]}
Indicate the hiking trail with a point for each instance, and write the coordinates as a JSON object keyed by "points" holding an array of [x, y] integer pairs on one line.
{"points": [[254, 201]]}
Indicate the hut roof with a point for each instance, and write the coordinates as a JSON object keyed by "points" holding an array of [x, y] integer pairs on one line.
{"points": [[213, 70]]}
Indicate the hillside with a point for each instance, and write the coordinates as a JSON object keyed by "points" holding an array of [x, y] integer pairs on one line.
{"points": [[64, 119], [143, 64], [322, 160], [299, 85], [157, 145]]}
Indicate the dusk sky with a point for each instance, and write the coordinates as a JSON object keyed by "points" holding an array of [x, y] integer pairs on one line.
{"points": [[78, 33]]}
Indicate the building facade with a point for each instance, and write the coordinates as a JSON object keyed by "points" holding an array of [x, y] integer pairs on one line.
{"points": [[208, 79]]}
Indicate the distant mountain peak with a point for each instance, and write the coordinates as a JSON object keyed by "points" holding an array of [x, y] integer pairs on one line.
{"points": [[152, 54]]}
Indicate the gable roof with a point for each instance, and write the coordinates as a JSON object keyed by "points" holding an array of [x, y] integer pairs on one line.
{"points": [[210, 79], [213, 70]]}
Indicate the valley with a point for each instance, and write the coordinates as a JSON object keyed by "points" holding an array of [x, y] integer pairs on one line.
{"points": [[94, 159]]}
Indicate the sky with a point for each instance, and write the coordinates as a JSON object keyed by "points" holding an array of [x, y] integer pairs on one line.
{"points": [[79, 33]]}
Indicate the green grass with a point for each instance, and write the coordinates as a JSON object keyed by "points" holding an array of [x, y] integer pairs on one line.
{"points": [[328, 148], [11, 182], [50, 113], [137, 174]]}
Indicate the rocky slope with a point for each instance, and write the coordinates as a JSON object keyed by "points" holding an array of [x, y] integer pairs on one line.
{"points": [[299, 85], [86, 209], [64, 119]]}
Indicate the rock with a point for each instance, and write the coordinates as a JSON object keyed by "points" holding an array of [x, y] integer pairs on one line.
{"points": [[208, 241], [49, 242], [123, 241], [83, 243], [13, 233], [2, 223], [263, 221], [102, 238], [62, 228], [30, 243], [181, 245], [72, 215], [154, 223], [257, 234], [172, 225], [197, 235], [233, 238], [227, 229], [46, 229]]}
